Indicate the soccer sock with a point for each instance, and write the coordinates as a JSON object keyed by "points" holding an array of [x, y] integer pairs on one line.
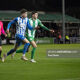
{"points": [[10, 52], [32, 53], [28, 48], [0, 53], [25, 48], [19, 51]]}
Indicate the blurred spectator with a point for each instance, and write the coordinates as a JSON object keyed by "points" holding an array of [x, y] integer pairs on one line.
{"points": [[59, 38], [67, 39]]}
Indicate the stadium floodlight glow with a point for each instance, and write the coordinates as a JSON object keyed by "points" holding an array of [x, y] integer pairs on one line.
{"points": [[63, 19]]}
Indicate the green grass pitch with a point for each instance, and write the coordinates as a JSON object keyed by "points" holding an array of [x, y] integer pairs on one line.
{"points": [[44, 69]]}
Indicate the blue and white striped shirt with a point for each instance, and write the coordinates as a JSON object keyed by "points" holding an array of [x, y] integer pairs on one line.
{"points": [[21, 25]]}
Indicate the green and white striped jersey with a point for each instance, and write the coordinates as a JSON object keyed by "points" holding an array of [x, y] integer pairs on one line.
{"points": [[34, 23]]}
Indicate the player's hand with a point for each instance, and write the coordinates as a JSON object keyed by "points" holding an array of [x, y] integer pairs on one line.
{"points": [[5, 35], [7, 31], [52, 31], [36, 28]]}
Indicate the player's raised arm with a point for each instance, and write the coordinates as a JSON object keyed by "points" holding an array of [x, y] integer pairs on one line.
{"points": [[10, 23], [44, 27]]}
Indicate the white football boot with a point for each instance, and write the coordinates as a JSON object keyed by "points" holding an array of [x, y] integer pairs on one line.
{"points": [[33, 61], [24, 58]]}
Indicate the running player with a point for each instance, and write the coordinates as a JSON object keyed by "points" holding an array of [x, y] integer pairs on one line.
{"points": [[22, 23]]}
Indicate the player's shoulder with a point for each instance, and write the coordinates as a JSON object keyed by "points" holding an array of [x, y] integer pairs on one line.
{"points": [[38, 19], [30, 20], [17, 18]]}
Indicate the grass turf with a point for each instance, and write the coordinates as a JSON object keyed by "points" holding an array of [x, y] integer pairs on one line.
{"points": [[44, 69]]}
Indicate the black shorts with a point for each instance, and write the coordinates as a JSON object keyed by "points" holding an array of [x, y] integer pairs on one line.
{"points": [[0, 41]]}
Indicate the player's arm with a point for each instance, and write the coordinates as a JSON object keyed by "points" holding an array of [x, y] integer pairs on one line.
{"points": [[10, 23], [2, 30], [29, 26], [44, 27]]}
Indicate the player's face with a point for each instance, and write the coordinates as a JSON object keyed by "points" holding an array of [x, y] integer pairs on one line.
{"points": [[24, 15], [35, 16]]}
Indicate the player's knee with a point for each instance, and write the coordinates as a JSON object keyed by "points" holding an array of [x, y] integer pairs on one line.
{"points": [[26, 41], [35, 46], [27, 44]]}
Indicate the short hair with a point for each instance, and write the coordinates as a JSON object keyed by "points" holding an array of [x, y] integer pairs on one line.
{"points": [[23, 11], [33, 12]]}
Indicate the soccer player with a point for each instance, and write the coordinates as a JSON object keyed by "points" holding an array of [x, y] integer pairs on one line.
{"points": [[30, 34], [1, 31], [22, 23]]}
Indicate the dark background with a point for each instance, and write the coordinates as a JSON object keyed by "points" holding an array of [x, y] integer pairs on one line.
{"points": [[72, 6], [43, 5]]}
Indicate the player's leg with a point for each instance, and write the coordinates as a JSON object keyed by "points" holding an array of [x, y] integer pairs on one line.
{"points": [[33, 50], [21, 50], [18, 43], [10, 52], [13, 50], [25, 49], [17, 51], [21, 38]]}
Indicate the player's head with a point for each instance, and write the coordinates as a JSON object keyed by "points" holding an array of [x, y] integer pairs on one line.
{"points": [[35, 14], [23, 13]]}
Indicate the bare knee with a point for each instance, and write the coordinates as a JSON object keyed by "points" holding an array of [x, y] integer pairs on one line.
{"points": [[26, 41], [35, 46]]}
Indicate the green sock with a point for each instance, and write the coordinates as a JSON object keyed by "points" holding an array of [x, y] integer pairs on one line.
{"points": [[32, 53], [19, 51]]}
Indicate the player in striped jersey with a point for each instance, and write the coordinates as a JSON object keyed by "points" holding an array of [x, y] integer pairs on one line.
{"points": [[21, 24], [30, 34]]}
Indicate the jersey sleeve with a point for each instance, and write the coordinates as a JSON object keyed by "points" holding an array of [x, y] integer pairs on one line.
{"points": [[29, 26], [42, 26], [12, 22], [2, 29]]}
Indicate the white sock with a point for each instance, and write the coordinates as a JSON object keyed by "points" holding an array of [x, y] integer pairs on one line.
{"points": [[23, 54]]}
